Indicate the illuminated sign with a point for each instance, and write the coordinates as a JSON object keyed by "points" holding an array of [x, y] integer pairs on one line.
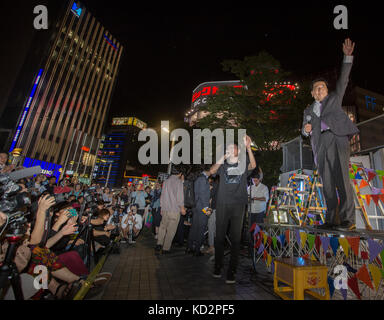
{"points": [[206, 89], [109, 41], [25, 112], [140, 124], [277, 89], [120, 121], [129, 122], [48, 168], [76, 10], [86, 149], [370, 101]]}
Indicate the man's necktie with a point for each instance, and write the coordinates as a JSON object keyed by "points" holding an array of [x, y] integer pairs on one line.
{"points": [[317, 110]]}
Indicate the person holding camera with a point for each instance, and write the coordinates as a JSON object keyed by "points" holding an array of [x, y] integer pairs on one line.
{"points": [[102, 230], [107, 195], [131, 225], [3, 218], [138, 197], [4, 167], [41, 255]]}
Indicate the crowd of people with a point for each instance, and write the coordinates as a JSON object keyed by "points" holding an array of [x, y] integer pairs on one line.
{"points": [[68, 225], [191, 209]]}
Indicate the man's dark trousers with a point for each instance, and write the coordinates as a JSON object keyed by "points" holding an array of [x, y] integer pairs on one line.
{"points": [[333, 164], [225, 214], [198, 228]]}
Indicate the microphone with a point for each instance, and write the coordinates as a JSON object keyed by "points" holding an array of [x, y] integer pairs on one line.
{"points": [[308, 118]]}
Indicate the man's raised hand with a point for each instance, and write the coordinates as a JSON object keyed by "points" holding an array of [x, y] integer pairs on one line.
{"points": [[348, 47]]}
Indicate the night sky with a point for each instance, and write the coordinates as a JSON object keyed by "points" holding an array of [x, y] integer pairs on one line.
{"points": [[172, 47], [169, 52]]}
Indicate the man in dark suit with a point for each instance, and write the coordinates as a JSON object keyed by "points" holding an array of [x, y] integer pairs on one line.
{"points": [[199, 218], [331, 129]]}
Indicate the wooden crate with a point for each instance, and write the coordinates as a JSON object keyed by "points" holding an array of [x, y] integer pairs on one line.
{"points": [[300, 275]]}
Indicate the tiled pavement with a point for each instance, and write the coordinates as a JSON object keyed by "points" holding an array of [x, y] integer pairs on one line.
{"points": [[138, 274]]}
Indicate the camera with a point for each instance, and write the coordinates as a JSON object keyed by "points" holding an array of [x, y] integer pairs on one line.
{"points": [[90, 200], [10, 197], [17, 224]]}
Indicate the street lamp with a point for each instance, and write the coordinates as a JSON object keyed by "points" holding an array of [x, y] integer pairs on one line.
{"points": [[171, 151], [109, 170]]}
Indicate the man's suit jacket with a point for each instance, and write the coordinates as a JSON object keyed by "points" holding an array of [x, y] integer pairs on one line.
{"points": [[202, 193], [332, 113]]}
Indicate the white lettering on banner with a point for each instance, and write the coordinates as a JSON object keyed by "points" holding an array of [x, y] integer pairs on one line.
{"points": [[47, 172]]}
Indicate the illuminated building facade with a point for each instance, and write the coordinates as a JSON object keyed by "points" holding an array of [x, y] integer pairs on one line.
{"points": [[118, 151], [369, 105], [200, 95], [209, 89], [58, 116]]}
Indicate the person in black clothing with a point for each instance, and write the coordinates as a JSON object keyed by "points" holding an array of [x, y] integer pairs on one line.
{"points": [[200, 218], [156, 193], [232, 199], [51, 185], [212, 217], [102, 231], [64, 225]]}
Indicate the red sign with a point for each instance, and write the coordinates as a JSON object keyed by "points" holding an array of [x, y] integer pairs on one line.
{"points": [[86, 149], [206, 89]]}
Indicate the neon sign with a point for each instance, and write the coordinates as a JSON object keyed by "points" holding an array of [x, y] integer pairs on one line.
{"points": [[277, 90], [206, 89], [76, 10], [25, 112], [109, 41], [48, 168], [370, 101]]}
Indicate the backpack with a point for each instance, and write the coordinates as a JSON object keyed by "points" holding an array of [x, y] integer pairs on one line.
{"points": [[189, 194]]}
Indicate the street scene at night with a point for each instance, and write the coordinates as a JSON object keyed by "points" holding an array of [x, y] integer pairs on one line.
{"points": [[195, 160]]}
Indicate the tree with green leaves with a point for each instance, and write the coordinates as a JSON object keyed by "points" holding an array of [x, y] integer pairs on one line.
{"points": [[270, 110]]}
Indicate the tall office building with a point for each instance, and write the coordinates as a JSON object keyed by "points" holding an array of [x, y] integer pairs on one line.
{"points": [[58, 116], [118, 152]]}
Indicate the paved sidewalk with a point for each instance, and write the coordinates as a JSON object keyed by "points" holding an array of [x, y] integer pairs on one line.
{"points": [[138, 274]]}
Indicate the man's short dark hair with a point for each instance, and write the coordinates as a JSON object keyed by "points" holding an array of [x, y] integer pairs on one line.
{"points": [[178, 169], [256, 175], [318, 80]]}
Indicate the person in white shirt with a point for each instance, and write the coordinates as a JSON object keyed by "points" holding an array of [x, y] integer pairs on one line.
{"points": [[131, 224], [259, 196]]}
